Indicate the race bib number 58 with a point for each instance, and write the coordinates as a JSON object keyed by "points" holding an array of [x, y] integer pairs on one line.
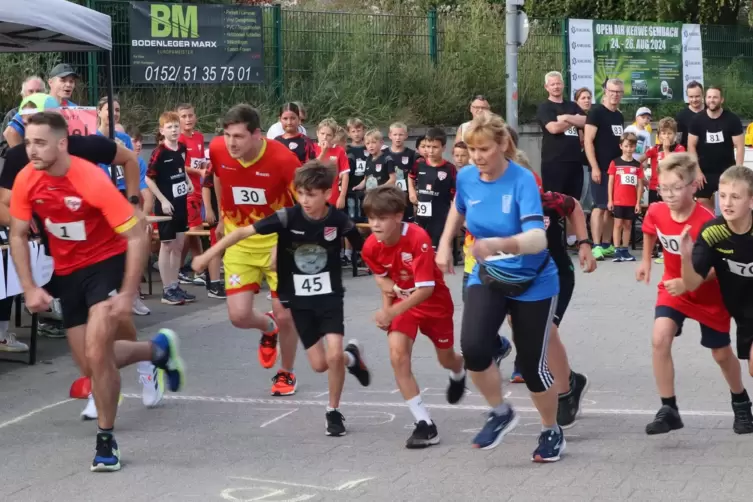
{"points": [[252, 196], [670, 243]]}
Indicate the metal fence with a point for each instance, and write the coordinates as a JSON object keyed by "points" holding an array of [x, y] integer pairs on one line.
{"points": [[415, 68]]}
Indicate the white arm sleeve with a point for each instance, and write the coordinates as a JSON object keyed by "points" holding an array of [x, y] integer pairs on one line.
{"points": [[531, 241]]}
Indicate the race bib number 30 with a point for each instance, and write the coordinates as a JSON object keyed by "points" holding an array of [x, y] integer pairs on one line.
{"points": [[424, 209], [71, 231], [251, 196], [629, 179], [670, 243], [180, 189], [312, 285]]}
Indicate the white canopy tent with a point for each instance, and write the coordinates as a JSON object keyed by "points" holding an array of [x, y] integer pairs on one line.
{"points": [[52, 26], [57, 26]]}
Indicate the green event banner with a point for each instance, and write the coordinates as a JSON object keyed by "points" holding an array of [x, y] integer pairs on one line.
{"points": [[647, 57]]}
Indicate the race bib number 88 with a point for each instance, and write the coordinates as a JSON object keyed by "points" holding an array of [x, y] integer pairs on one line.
{"points": [[670, 243], [250, 196], [312, 285], [629, 179], [71, 231]]}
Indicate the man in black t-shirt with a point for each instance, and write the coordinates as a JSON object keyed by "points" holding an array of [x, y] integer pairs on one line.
{"points": [[694, 92], [561, 157], [725, 244], [310, 277], [716, 136], [602, 135]]}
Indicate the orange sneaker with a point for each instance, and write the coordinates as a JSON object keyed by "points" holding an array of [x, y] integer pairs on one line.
{"points": [[268, 346], [284, 383]]}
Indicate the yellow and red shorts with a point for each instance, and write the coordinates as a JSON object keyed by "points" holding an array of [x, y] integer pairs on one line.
{"points": [[245, 269]]}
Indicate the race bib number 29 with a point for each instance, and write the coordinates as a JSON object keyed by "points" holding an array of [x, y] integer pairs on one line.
{"points": [[250, 196], [312, 285], [670, 243]]}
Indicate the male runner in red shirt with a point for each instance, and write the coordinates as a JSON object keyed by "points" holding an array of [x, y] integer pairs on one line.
{"points": [[97, 270]]}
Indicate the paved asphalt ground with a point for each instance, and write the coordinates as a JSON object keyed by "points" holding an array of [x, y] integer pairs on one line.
{"points": [[225, 438]]}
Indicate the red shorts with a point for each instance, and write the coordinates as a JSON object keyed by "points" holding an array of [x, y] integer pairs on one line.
{"points": [[212, 237], [194, 201], [440, 330]]}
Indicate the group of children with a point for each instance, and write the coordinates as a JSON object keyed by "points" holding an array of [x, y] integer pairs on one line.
{"points": [[628, 177]]}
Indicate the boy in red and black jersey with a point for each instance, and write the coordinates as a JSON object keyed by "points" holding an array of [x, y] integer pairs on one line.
{"points": [[625, 192]]}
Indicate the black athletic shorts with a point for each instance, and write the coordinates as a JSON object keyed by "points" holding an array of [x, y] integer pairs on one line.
{"points": [[168, 230], [710, 187], [624, 212], [312, 323], [563, 177], [653, 196], [434, 226], [744, 337], [566, 273], [82, 289], [710, 338]]}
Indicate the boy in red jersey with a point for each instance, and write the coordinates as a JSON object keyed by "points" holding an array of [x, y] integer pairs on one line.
{"points": [[327, 151], [666, 222], [414, 297], [196, 168], [624, 192], [96, 240], [253, 178]]}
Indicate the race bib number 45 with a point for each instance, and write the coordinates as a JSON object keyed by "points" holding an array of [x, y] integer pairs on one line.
{"points": [[312, 285], [252, 196], [670, 243], [71, 231]]}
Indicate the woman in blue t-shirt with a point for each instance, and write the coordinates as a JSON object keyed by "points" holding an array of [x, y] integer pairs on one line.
{"points": [[500, 204], [103, 129]]}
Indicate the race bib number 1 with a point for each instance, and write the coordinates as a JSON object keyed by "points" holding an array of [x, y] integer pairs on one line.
{"points": [[72, 231], [180, 189], [629, 179], [424, 209], [312, 285], [250, 196], [670, 243]]}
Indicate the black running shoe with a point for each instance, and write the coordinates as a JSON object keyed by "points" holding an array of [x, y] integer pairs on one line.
{"points": [[743, 418], [424, 435], [107, 457], [569, 404], [456, 390], [358, 370], [335, 423], [667, 419]]}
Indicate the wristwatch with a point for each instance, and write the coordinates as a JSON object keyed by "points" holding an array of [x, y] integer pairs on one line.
{"points": [[134, 199], [585, 241]]}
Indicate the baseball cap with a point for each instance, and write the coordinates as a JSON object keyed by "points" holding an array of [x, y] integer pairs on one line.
{"points": [[40, 101], [643, 110], [63, 70]]}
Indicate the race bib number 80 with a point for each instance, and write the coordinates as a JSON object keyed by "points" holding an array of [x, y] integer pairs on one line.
{"points": [[249, 196], [670, 243], [71, 231], [312, 285]]}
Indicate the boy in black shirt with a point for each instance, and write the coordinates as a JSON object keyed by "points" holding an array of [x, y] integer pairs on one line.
{"points": [[310, 277], [380, 166]]}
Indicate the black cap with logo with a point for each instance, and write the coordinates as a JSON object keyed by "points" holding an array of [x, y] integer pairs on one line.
{"points": [[63, 70]]}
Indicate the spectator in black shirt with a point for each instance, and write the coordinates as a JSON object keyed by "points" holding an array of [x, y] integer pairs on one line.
{"points": [[561, 124], [684, 117], [717, 138]]}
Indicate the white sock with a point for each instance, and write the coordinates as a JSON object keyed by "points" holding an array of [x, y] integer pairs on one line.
{"points": [[145, 367], [457, 376], [350, 360], [348, 253], [271, 325], [418, 409]]}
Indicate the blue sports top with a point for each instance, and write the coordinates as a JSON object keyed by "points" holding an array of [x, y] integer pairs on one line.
{"points": [[124, 140], [506, 207]]}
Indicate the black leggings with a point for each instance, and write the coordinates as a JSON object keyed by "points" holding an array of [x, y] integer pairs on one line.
{"points": [[6, 307], [483, 314]]}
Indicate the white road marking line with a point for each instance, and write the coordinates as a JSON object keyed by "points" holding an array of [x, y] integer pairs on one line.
{"points": [[345, 486], [270, 422], [228, 494], [320, 394], [438, 406], [34, 412]]}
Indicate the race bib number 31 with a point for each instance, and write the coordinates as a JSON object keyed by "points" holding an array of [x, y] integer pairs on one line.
{"points": [[71, 231], [670, 243], [251, 196], [312, 285], [180, 189]]}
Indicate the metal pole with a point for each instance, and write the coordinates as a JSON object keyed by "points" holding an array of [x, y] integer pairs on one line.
{"points": [[512, 38], [111, 110]]}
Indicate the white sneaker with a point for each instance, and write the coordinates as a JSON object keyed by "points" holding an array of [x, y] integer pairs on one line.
{"points": [[8, 343], [139, 308], [153, 382], [90, 411]]}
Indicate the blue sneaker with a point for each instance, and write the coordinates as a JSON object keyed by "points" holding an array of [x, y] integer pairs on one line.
{"points": [[495, 429], [551, 446], [167, 340], [516, 376], [171, 296], [107, 457], [504, 350], [188, 297], [626, 256], [618, 256]]}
